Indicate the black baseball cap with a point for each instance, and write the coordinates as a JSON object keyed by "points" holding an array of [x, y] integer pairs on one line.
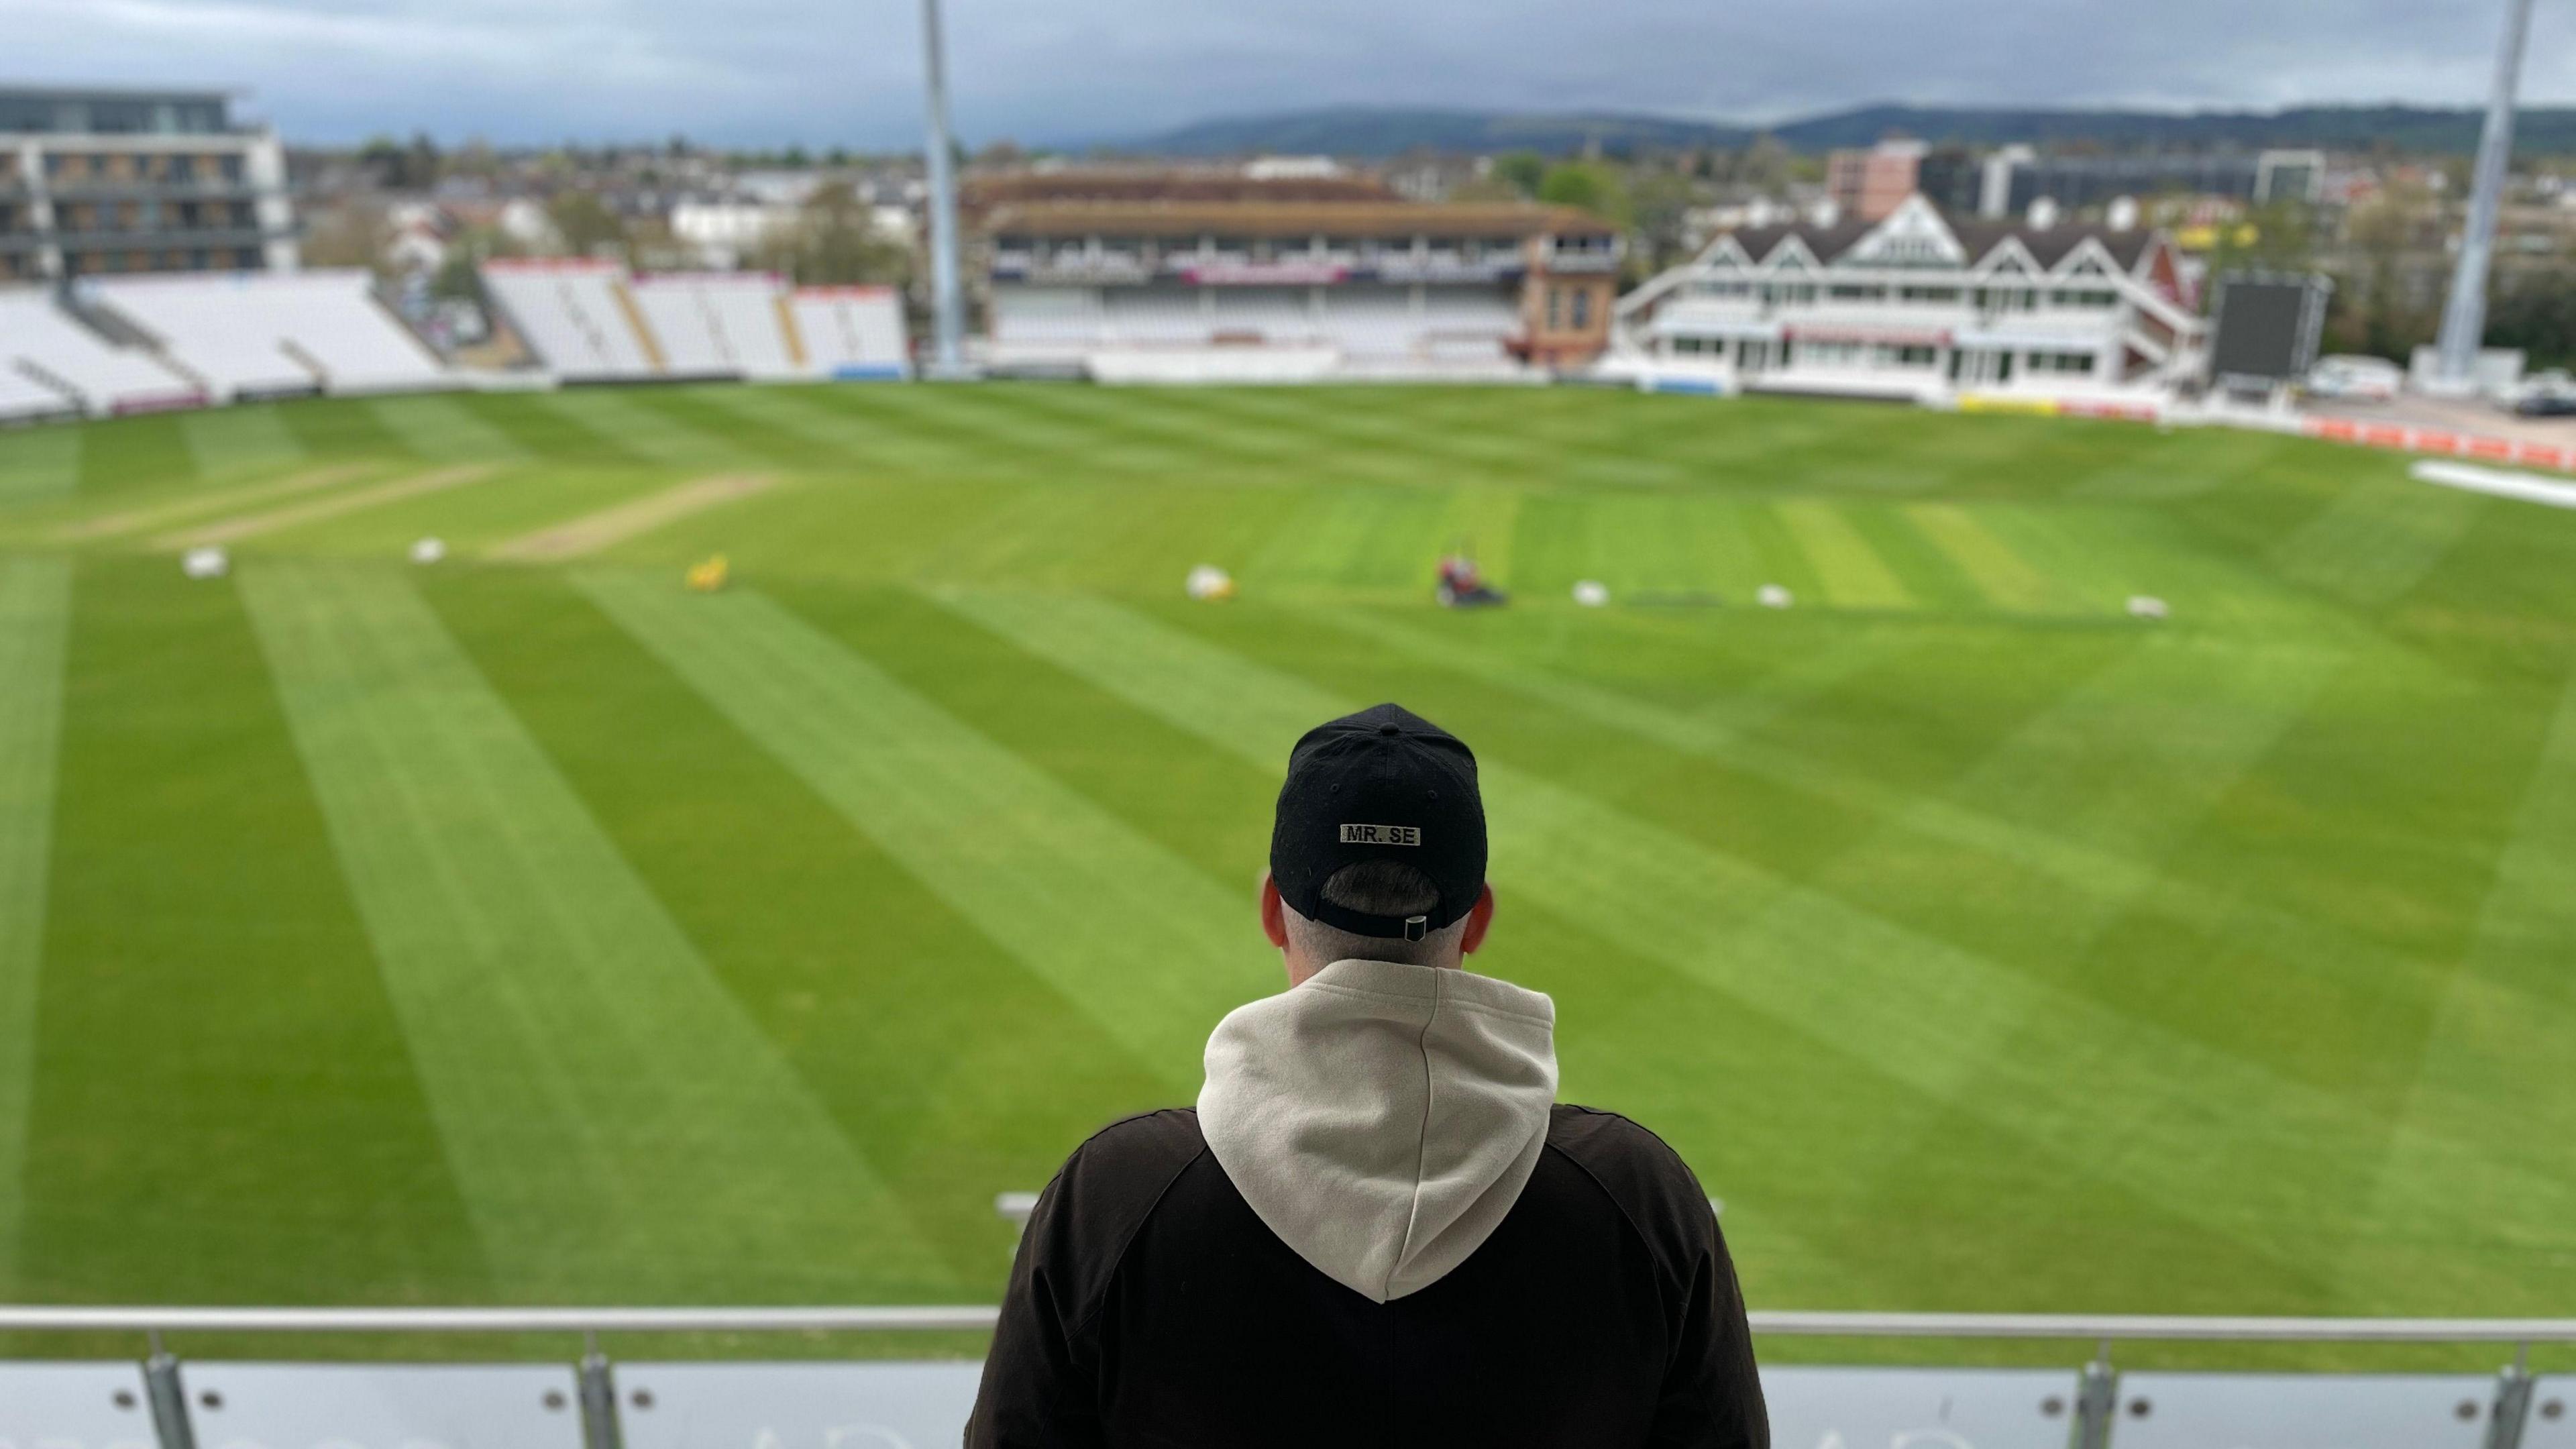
{"points": [[1382, 784]]}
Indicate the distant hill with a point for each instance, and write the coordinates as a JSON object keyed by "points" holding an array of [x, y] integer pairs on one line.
{"points": [[2422, 129], [1385, 131], [1375, 131]]}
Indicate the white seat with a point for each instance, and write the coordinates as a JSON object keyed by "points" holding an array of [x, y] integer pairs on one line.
{"points": [[850, 331], [569, 312], [717, 324], [241, 333], [42, 346]]}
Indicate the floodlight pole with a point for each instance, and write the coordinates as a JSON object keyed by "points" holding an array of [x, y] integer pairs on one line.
{"points": [[2464, 319], [947, 321]]}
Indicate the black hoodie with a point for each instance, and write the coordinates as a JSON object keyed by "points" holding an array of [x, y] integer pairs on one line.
{"points": [[1374, 1230]]}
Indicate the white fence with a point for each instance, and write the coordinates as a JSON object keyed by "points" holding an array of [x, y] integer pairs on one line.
{"points": [[163, 1403]]}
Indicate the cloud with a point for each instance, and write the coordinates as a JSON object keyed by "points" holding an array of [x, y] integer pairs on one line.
{"points": [[826, 71]]}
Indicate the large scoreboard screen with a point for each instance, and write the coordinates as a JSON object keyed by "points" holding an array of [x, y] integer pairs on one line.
{"points": [[2265, 326]]}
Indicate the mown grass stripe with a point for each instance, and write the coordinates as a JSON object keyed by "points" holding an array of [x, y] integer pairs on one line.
{"points": [[2204, 1133], [696, 409], [341, 427], [217, 500], [1923, 828], [2188, 466], [35, 613], [224, 1108], [1063, 885], [798, 413], [135, 452], [594, 532], [2377, 540], [293, 515], [956, 1070], [2128, 760], [1727, 732], [662, 436], [618, 1122], [1274, 415], [908, 427], [41, 463], [1855, 577], [241, 438], [2007, 580], [438, 427], [2495, 1068], [541, 430]]}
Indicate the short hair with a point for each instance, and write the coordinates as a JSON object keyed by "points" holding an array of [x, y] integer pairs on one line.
{"points": [[1381, 888]]}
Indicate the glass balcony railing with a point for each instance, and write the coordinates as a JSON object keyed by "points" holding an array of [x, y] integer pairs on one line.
{"points": [[647, 1403]]}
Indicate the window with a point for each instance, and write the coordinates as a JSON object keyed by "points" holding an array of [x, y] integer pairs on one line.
{"points": [[2076, 363], [1917, 356], [1911, 251], [1555, 308], [1928, 294], [1856, 292], [2090, 297], [1582, 308]]}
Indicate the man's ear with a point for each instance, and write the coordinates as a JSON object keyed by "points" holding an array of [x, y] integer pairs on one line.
{"points": [[1273, 923], [1479, 917]]}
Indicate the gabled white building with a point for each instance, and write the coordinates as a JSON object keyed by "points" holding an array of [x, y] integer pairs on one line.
{"points": [[1918, 304]]}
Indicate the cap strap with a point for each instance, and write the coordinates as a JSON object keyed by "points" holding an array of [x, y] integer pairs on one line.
{"points": [[1362, 923]]}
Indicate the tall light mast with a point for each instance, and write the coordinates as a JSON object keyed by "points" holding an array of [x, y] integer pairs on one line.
{"points": [[947, 313], [2464, 319]]}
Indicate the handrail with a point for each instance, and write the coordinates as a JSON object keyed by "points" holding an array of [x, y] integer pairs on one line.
{"points": [[971, 1317], [36, 1319], [2169, 1328]]}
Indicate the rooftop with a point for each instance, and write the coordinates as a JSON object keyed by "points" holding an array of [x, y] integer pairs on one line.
{"points": [[1509, 221], [2047, 245], [113, 110], [1164, 184]]}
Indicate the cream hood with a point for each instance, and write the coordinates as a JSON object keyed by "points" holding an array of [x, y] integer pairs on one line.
{"points": [[1382, 1118]]}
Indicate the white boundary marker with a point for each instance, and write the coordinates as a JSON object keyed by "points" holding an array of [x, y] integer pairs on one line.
{"points": [[2524, 486]]}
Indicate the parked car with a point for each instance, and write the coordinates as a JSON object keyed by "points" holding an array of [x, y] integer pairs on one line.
{"points": [[2546, 403], [2355, 379]]}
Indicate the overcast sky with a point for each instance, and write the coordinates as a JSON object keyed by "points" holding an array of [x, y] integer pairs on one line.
{"points": [[847, 71]]}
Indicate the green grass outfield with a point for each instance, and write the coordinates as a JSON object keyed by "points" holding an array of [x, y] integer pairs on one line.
{"points": [[538, 931]]}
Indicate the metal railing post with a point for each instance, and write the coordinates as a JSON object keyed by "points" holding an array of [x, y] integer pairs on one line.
{"points": [[2097, 1403], [2512, 1402], [598, 1397], [169, 1398]]}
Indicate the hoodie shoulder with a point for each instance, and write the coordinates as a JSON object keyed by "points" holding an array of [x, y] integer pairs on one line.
{"points": [[1101, 1197], [1142, 1142], [1114, 1178], [1648, 1181]]}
